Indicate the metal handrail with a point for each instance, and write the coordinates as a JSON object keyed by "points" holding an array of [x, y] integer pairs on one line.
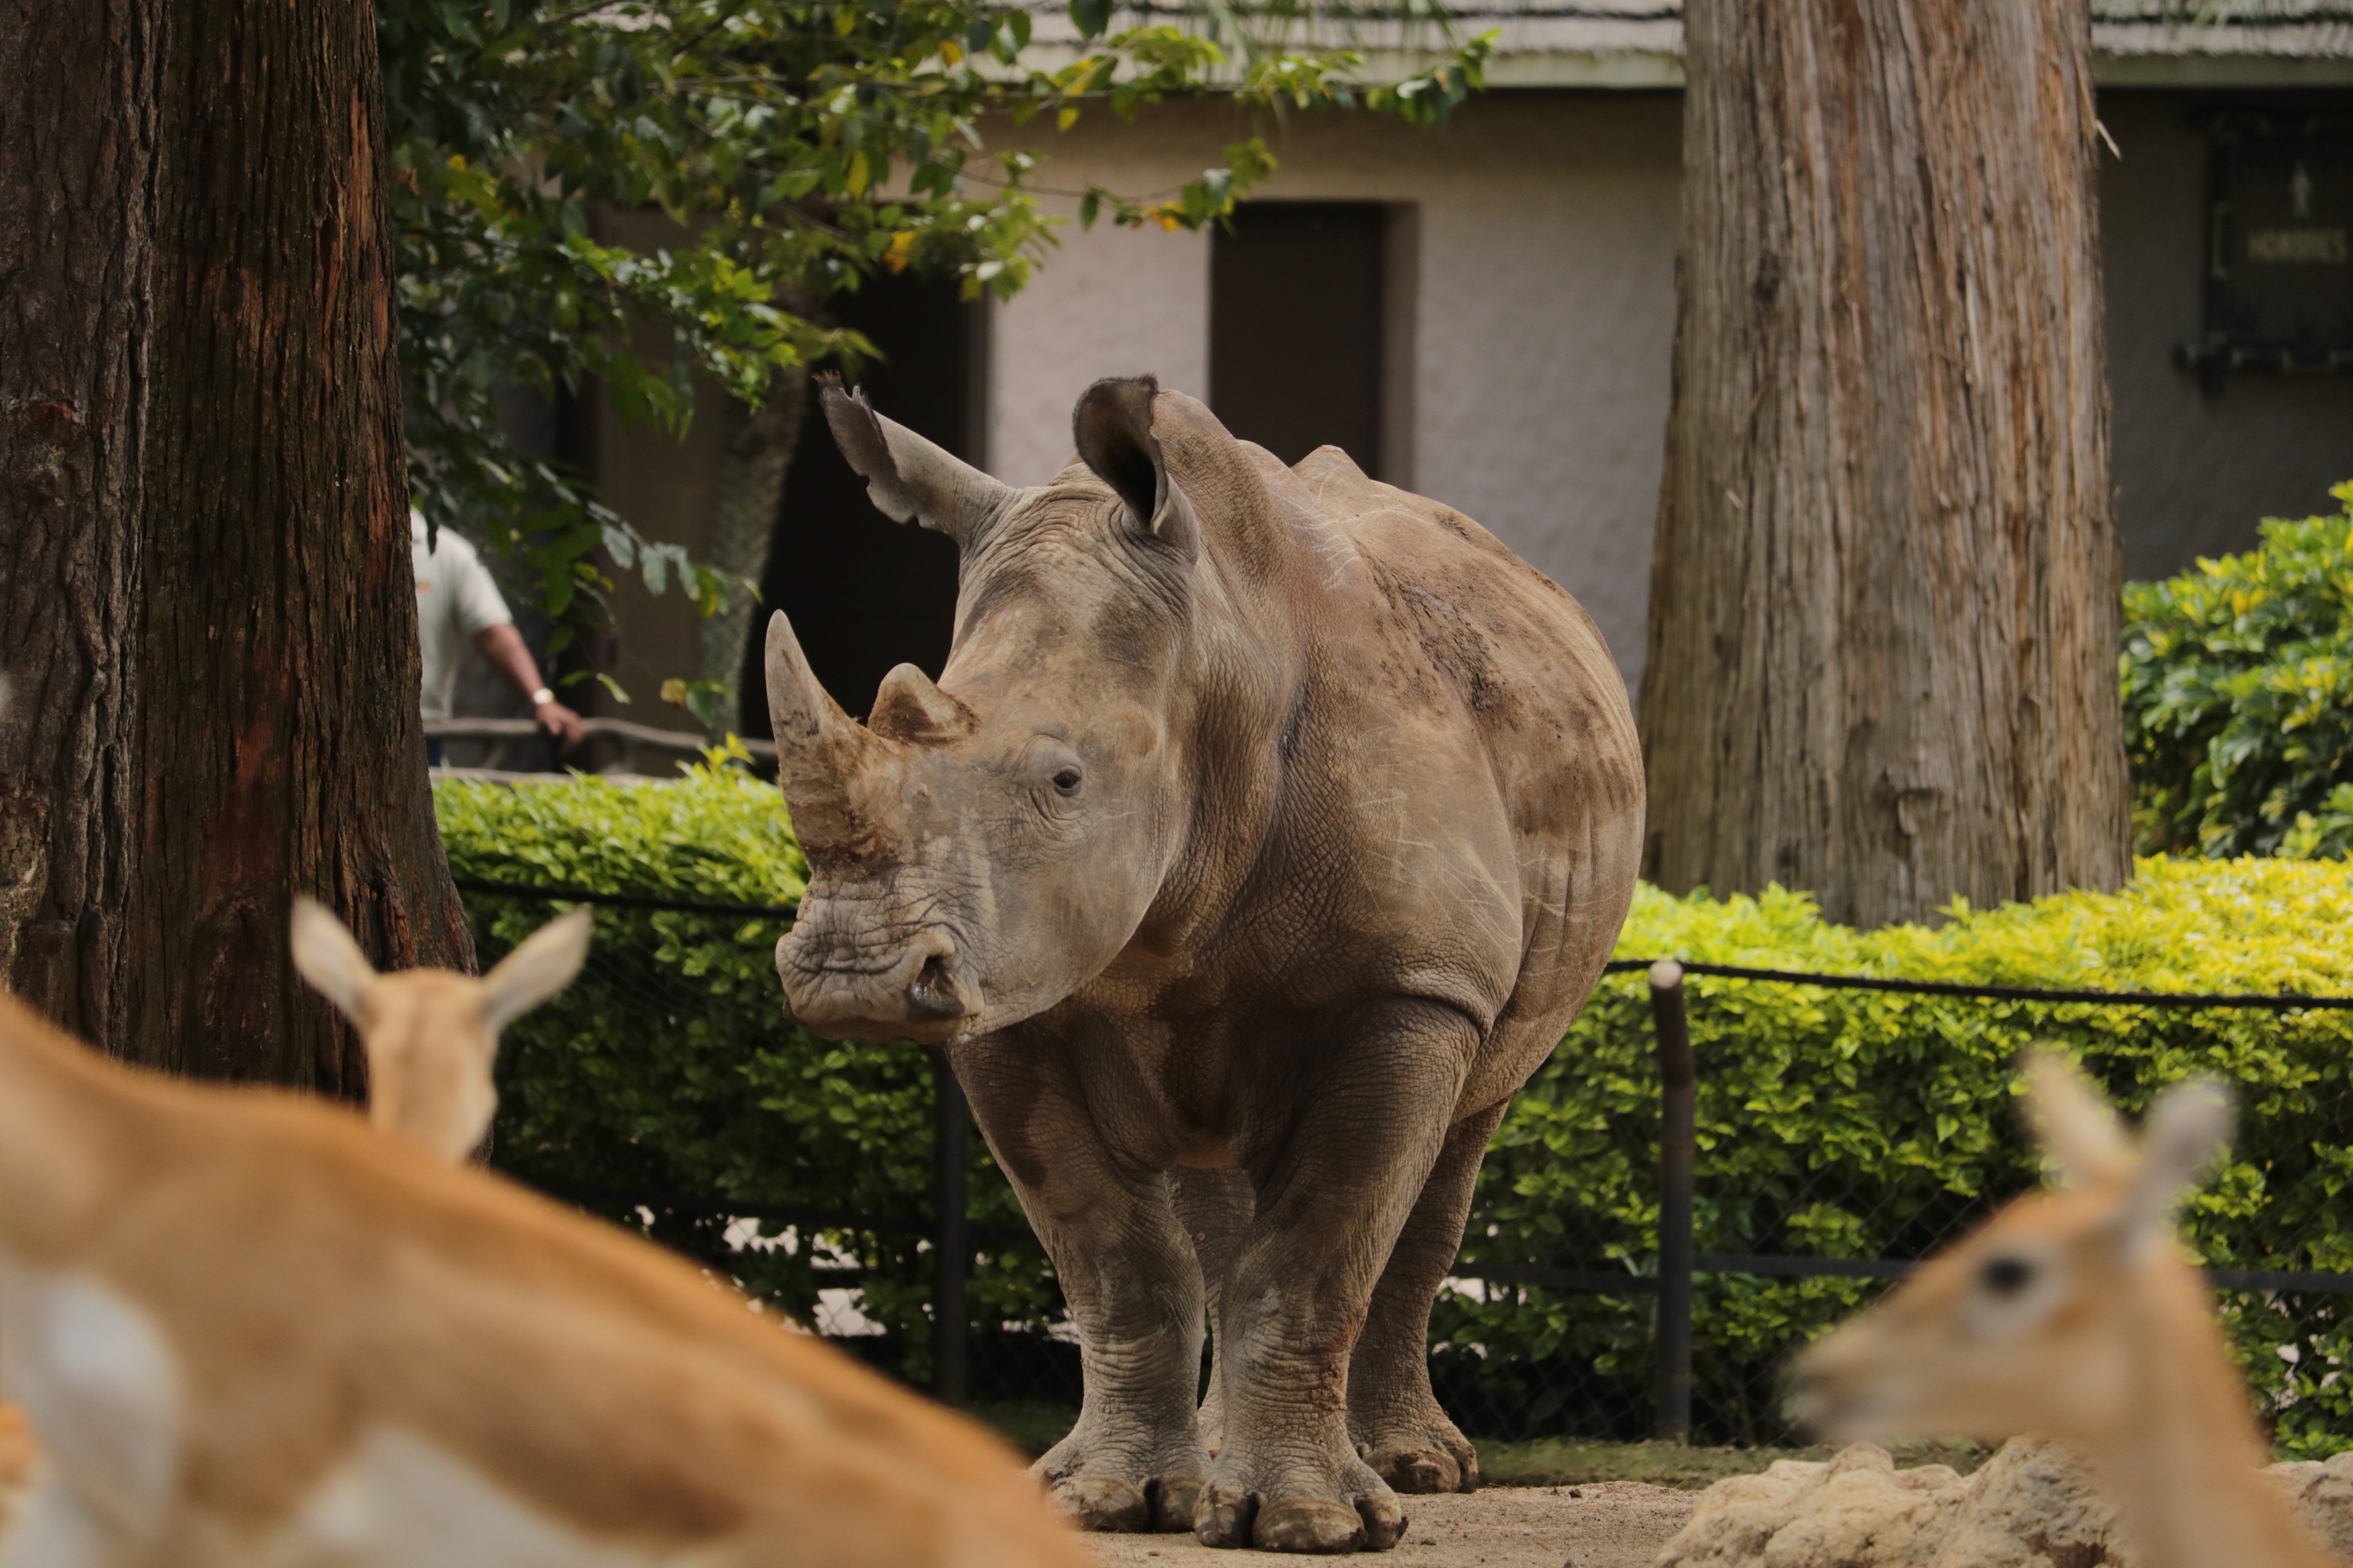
{"points": [[606, 746]]}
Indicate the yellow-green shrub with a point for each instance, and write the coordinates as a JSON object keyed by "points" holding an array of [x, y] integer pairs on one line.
{"points": [[1834, 1123], [1862, 1124]]}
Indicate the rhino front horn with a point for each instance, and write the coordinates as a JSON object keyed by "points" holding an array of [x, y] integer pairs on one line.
{"points": [[827, 761]]}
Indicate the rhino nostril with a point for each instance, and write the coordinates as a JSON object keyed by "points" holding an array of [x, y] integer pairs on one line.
{"points": [[932, 996]]}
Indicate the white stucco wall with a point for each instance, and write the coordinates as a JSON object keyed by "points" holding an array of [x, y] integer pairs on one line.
{"points": [[1109, 301], [1546, 227], [1545, 322]]}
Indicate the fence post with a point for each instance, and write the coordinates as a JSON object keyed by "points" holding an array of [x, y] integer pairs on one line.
{"points": [[1678, 1152], [950, 1230]]}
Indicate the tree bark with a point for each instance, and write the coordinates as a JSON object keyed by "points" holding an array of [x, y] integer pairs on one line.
{"points": [[747, 491], [205, 582], [1882, 663]]}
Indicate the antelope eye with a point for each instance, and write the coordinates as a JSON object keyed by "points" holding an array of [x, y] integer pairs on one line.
{"points": [[1065, 782], [2006, 1275]]}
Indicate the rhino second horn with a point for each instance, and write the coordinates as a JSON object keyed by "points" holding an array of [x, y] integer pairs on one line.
{"points": [[910, 707], [825, 761]]}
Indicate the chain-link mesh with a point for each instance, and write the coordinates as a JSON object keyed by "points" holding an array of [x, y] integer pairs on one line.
{"points": [[667, 1090]]}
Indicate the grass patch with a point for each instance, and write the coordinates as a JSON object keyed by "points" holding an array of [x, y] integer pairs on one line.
{"points": [[1570, 1461], [1031, 1428], [1548, 1462]]}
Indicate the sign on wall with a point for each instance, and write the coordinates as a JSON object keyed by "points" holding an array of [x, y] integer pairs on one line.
{"points": [[2279, 247]]}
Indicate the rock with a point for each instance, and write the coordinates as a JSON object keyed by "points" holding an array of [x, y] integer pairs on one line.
{"points": [[2323, 1494], [2030, 1506]]}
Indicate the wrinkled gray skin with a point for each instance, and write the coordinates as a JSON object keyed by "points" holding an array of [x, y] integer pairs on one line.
{"points": [[1264, 832]]}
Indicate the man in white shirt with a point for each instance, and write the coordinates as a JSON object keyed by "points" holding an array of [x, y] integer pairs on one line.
{"points": [[456, 603]]}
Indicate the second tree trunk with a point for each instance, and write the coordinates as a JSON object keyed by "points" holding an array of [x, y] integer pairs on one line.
{"points": [[1882, 664]]}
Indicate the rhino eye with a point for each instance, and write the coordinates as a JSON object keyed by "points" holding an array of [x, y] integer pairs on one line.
{"points": [[1065, 782]]}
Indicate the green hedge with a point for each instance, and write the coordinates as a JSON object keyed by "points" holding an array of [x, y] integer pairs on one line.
{"points": [[1836, 1123], [2238, 690], [1863, 1124]]}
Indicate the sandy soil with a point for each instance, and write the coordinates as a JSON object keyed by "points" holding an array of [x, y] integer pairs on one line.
{"points": [[1603, 1524]]}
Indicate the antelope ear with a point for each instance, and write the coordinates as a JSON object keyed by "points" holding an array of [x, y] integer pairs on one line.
{"points": [[326, 956], [541, 965], [908, 477], [1112, 426], [2185, 1130], [2074, 1124]]}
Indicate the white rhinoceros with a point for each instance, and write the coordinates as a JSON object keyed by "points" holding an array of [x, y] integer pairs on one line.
{"points": [[1263, 833]]}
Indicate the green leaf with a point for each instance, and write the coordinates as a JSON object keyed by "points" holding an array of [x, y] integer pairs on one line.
{"points": [[769, 133]]}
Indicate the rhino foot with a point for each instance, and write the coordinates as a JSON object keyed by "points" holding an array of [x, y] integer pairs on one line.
{"points": [[1417, 1451], [1420, 1472], [1101, 1502], [1100, 1487], [1425, 1463], [1368, 1519]]}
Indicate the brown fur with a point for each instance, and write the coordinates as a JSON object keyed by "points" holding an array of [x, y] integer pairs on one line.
{"points": [[432, 1034], [315, 1281], [2110, 1346]]}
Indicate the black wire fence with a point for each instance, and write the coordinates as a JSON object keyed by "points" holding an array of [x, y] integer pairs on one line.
{"points": [[1641, 1269]]}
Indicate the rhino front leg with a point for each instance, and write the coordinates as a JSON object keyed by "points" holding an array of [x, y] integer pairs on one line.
{"points": [[1356, 1146], [1215, 1208], [1392, 1415], [1135, 1460]]}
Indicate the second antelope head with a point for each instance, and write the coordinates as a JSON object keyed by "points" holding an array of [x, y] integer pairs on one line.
{"points": [[432, 1034], [2057, 1315]]}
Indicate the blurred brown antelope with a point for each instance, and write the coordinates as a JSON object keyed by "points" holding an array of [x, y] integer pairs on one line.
{"points": [[432, 1034], [2072, 1314], [248, 1329]]}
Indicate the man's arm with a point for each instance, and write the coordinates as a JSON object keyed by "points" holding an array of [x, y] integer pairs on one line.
{"points": [[504, 647]]}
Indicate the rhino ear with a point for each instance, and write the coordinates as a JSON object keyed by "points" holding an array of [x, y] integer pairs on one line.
{"points": [[907, 476], [1112, 424]]}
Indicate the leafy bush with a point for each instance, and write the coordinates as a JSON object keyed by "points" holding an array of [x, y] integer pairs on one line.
{"points": [[2237, 688], [1833, 1123], [1867, 1124]]}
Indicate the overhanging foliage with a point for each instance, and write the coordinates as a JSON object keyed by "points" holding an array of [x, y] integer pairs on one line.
{"points": [[799, 148]]}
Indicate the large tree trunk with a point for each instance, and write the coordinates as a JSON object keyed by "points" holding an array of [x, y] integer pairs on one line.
{"points": [[747, 491], [1884, 607], [205, 597]]}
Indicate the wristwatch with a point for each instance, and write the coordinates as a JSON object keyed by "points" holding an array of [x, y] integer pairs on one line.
{"points": [[541, 697]]}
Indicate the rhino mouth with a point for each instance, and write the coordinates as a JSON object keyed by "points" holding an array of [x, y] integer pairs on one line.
{"points": [[914, 989]]}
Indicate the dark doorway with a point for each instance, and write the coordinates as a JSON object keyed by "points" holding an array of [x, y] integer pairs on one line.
{"points": [[864, 592], [1295, 327]]}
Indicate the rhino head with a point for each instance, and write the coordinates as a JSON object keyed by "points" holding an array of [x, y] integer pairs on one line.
{"points": [[982, 847]]}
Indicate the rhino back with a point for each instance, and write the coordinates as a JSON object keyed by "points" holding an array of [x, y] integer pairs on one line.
{"points": [[1465, 788], [1471, 625]]}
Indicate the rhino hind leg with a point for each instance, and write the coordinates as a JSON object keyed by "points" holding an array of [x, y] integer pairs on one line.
{"points": [[1331, 1199], [1215, 1208], [1135, 1460], [1394, 1418]]}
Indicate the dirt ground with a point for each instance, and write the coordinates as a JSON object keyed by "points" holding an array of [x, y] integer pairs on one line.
{"points": [[1599, 1525]]}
